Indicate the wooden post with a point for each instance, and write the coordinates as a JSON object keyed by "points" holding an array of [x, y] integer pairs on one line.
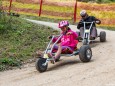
{"points": [[41, 1], [10, 6], [75, 11]]}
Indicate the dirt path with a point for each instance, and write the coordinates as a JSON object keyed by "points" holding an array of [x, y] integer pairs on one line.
{"points": [[70, 71]]}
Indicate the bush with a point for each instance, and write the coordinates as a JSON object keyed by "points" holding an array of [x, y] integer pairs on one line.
{"points": [[8, 63], [5, 21]]}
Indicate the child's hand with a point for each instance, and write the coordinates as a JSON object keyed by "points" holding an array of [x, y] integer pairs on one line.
{"points": [[68, 33]]}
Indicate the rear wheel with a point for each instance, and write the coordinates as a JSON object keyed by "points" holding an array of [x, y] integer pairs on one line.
{"points": [[102, 36], [40, 65], [85, 53]]}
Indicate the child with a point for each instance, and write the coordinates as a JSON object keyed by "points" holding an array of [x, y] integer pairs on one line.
{"points": [[86, 18], [68, 41]]}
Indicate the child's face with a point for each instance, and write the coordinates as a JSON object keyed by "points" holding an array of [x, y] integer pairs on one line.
{"points": [[64, 29]]}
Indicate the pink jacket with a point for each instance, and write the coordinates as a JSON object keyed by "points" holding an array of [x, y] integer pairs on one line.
{"points": [[69, 40]]}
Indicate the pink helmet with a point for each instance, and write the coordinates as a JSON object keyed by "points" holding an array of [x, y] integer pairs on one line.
{"points": [[63, 23]]}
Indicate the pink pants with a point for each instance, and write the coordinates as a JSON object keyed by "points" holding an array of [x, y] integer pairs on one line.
{"points": [[65, 49]]}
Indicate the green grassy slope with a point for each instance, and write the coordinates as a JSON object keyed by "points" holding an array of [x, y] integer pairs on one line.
{"points": [[19, 40]]}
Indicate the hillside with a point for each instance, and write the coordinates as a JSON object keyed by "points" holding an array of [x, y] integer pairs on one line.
{"points": [[64, 10], [19, 41]]}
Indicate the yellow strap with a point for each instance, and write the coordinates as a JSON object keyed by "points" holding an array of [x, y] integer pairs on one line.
{"points": [[46, 56]]}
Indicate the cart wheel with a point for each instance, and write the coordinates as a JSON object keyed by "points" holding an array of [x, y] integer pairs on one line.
{"points": [[85, 53], [40, 66], [102, 36]]}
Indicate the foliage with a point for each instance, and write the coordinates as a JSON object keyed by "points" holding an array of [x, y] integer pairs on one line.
{"points": [[107, 27], [36, 7], [8, 63], [20, 42], [102, 11]]}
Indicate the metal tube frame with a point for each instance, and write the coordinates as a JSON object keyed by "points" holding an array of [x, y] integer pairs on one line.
{"points": [[88, 34]]}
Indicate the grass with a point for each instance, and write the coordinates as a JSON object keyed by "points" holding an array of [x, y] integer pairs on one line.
{"points": [[58, 8], [44, 16], [36, 6], [21, 5], [99, 14], [102, 14], [48, 19], [20, 41], [109, 27]]}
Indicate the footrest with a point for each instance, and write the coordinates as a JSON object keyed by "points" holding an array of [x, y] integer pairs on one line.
{"points": [[76, 52]]}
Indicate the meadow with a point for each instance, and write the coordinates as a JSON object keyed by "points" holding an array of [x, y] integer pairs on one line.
{"points": [[64, 10]]}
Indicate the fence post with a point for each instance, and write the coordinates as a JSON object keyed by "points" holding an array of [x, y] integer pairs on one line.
{"points": [[75, 11], [10, 6], [41, 1]]}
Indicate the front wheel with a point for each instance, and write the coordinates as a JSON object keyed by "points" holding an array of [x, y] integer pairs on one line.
{"points": [[40, 65], [85, 53]]}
